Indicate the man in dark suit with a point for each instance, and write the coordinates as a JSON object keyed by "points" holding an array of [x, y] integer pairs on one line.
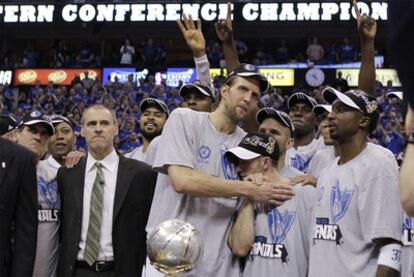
{"points": [[105, 201], [18, 204]]}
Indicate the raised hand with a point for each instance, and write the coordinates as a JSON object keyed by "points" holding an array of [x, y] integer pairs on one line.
{"points": [[224, 27], [367, 26], [193, 35]]}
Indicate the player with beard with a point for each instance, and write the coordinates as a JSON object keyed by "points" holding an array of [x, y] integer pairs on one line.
{"points": [[154, 114], [191, 151]]}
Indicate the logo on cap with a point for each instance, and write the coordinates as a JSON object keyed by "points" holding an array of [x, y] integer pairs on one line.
{"points": [[249, 67], [35, 114]]}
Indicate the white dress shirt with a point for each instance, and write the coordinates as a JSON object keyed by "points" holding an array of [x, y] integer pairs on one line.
{"points": [[110, 171]]}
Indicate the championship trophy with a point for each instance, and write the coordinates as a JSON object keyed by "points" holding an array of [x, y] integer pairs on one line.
{"points": [[174, 247]]}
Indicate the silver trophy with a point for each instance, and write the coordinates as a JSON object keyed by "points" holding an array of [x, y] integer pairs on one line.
{"points": [[174, 247]]}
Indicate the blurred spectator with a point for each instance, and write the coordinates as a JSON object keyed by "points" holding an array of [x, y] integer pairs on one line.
{"points": [[127, 52], [86, 55], [150, 53], [331, 53], [315, 51], [340, 83], [281, 55], [242, 51], [347, 52]]}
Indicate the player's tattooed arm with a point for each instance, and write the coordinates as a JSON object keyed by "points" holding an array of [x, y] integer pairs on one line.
{"points": [[224, 30], [367, 29]]}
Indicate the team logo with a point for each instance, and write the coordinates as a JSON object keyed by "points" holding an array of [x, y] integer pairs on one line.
{"points": [[407, 237], [340, 200], [279, 224], [229, 169], [204, 152], [35, 114], [250, 67], [48, 200], [48, 191], [299, 163]]}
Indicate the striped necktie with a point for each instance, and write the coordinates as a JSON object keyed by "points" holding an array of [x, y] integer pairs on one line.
{"points": [[93, 236]]}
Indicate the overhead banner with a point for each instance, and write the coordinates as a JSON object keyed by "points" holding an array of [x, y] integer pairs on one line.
{"points": [[280, 77], [382, 75], [55, 76], [6, 77], [209, 11]]}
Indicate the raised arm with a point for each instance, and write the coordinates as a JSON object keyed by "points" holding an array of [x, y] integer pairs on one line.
{"points": [[367, 28], [224, 30], [195, 40]]}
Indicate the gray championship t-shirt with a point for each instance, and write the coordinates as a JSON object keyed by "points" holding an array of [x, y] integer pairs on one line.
{"points": [[281, 246], [48, 217], [290, 172], [137, 154], [356, 203], [300, 157], [321, 160], [189, 139]]}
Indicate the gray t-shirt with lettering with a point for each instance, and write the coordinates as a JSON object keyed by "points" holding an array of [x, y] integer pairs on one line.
{"points": [[356, 203], [48, 217], [189, 139], [281, 246]]}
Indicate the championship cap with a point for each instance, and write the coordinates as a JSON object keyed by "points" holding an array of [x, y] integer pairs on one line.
{"points": [[398, 94], [356, 99], [301, 97], [36, 117], [281, 117], [200, 86], [320, 109], [253, 146], [249, 70], [56, 119], [153, 102], [7, 123]]}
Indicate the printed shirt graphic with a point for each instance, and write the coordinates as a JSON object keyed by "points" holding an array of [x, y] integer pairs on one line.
{"points": [[301, 156], [48, 216], [189, 139], [355, 203], [282, 237]]}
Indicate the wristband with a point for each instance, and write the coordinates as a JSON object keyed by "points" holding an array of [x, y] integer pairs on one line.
{"points": [[201, 59], [390, 256]]}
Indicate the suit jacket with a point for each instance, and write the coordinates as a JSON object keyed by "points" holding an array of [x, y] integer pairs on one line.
{"points": [[18, 205], [133, 195]]}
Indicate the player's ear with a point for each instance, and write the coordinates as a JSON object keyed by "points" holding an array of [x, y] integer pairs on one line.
{"points": [[364, 122], [290, 142]]}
